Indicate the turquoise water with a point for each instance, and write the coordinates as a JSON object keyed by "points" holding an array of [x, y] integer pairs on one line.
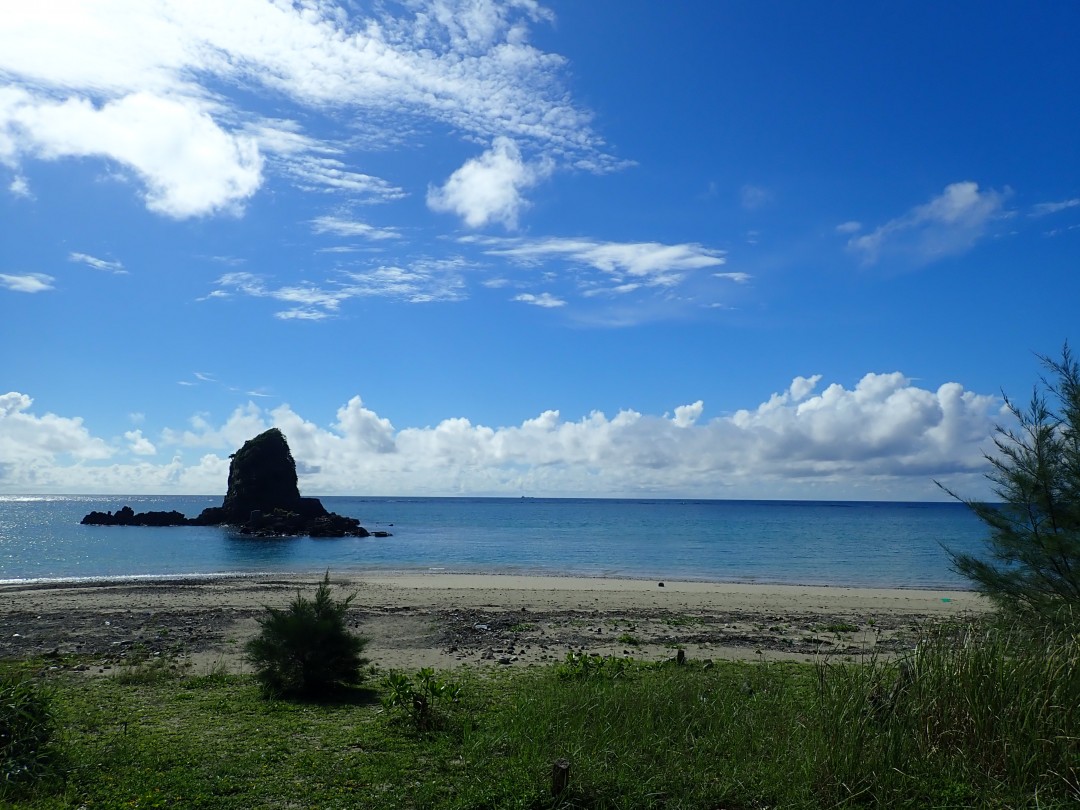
{"points": [[809, 543]]}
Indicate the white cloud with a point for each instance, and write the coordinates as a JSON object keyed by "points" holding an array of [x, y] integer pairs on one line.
{"points": [[20, 187], [885, 437], [314, 302], [618, 289], [422, 281], [653, 263], [948, 224], [27, 282], [738, 278], [28, 441], [351, 227], [686, 415], [546, 300], [1043, 209], [489, 188], [139, 444], [97, 264], [189, 165], [851, 226], [302, 314], [329, 174], [164, 88]]}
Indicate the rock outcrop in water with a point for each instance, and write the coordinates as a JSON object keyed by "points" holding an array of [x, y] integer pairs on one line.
{"points": [[129, 517], [263, 499]]}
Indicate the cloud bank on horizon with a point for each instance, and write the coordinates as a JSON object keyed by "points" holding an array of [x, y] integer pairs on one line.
{"points": [[504, 208], [884, 433]]}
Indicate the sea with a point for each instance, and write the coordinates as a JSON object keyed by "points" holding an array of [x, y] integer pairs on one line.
{"points": [[840, 543]]}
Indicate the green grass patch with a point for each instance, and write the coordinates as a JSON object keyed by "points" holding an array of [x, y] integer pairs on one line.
{"points": [[979, 717], [28, 752]]}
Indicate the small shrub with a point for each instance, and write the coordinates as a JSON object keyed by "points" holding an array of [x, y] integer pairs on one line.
{"points": [[423, 701], [583, 666], [306, 649], [26, 733]]}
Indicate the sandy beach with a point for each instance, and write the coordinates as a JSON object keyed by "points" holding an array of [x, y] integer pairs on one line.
{"points": [[450, 620]]}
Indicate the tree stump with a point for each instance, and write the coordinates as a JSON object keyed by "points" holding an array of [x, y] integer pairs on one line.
{"points": [[560, 777]]}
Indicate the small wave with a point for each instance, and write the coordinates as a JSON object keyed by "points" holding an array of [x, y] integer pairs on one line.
{"points": [[121, 578]]}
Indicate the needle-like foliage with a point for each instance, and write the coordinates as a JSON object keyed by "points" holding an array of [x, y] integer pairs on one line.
{"points": [[307, 649], [1033, 565]]}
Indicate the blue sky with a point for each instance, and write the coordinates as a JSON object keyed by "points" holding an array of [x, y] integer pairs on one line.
{"points": [[730, 249]]}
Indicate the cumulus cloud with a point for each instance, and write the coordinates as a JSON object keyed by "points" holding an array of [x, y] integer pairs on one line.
{"points": [[27, 282], [686, 415], [489, 188], [883, 436], [949, 224], [189, 165], [29, 442], [97, 264], [164, 88], [139, 444]]}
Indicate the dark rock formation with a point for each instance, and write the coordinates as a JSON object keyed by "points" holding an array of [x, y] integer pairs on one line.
{"points": [[263, 499], [262, 478], [283, 523], [129, 517]]}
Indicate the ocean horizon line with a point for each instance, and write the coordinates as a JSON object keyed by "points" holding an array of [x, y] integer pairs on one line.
{"points": [[32, 496]]}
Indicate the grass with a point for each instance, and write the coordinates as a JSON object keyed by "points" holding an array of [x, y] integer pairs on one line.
{"points": [[28, 752], [979, 717], [976, 713]]}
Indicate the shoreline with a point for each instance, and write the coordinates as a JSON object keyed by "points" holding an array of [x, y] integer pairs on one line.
{"points": [[390, 573], [447, 620]]}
